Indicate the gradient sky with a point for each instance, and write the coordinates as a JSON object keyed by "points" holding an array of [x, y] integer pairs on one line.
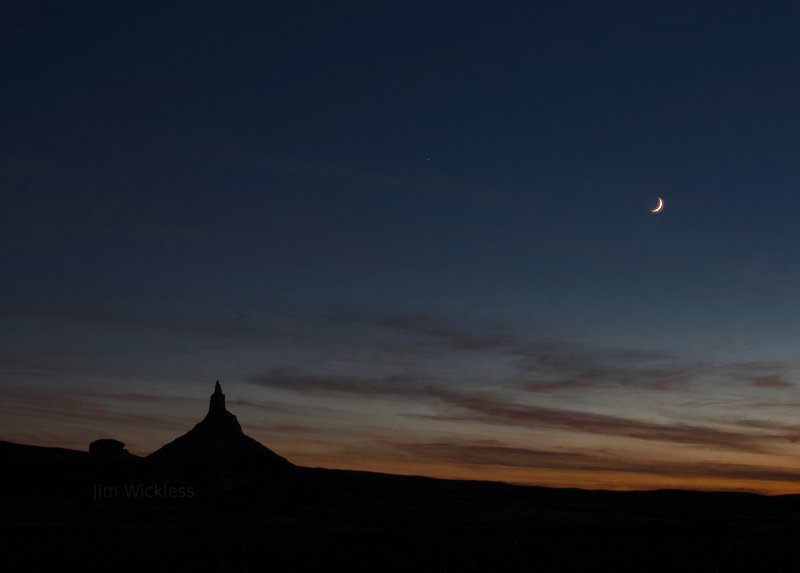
{"points": [[410, 238]]}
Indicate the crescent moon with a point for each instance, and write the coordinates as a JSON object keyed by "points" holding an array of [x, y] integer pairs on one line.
{"points": [[660, 206]]}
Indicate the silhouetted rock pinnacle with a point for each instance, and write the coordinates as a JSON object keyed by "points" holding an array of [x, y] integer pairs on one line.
{"points": [[219, 442], [219, 421], [217, 402]]}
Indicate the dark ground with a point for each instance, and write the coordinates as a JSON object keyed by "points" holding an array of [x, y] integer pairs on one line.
{"points": [[326, 520]]}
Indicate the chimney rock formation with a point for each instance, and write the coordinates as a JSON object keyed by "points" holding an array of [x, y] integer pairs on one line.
{"points": [[219, 443]]}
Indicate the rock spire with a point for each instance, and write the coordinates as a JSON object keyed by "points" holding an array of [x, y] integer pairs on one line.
{"points": [[217, 404]]}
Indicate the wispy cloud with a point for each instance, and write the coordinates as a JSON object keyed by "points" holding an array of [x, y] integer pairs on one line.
{"points": [[542, 365], [472, 408], [771, 382], [498, 455], [295, 380], [434, 329], [546, 365], [648, 380], [234, 324], [504, 413]]}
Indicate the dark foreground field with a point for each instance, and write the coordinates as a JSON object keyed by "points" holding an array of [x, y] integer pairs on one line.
{"points": [[325, 520]]}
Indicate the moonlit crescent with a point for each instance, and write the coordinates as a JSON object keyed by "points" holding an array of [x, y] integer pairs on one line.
{"points": [[660, 206]]}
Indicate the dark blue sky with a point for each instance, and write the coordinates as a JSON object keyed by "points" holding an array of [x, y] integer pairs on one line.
{"points": [[409, 207]]}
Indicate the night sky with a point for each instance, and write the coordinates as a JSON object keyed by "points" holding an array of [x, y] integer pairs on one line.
{"points": [[410, 238]]}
